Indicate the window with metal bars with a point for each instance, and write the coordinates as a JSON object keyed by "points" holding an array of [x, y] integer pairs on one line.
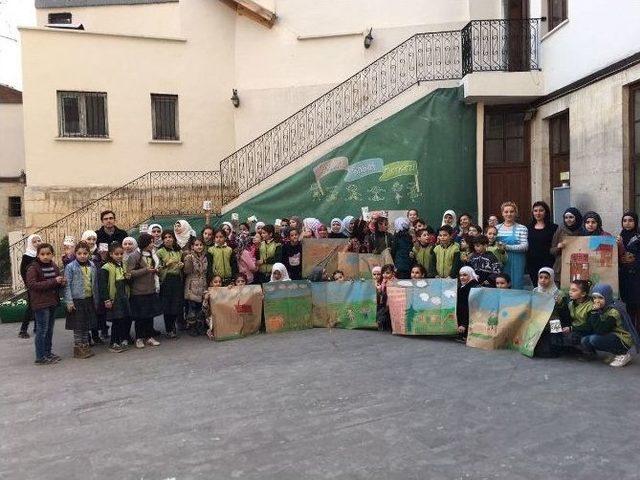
{"points": [[164, 117], [60, 18], [82, 114], [557, 12], [15, 207]]}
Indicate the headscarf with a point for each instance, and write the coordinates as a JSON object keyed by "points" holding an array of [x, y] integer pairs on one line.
{"points": [[576, 213], [31, 251], [86, 235], [627, 235], [158, 242], [376, 269], [228, 224], [469, 271], [346, 225], [135, 244], [453, 214], [596, 217], [603, 290], [69, 241], [312, 224], [339, 225], [260, 225], [401, 223], [187, 232], [279, 267], [552, 289]]}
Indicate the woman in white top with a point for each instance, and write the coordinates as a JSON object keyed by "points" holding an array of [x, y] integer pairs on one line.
{"points": [[514, 237]]}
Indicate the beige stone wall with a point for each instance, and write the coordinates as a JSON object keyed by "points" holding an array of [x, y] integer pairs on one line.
{"points": [[8, 224], [599, 124], [11, 140]]}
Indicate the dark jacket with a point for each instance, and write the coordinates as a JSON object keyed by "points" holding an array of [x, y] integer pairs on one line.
{"points": [[44, 291], [24, 265], [401, 250], [462, 307], [379, 241], [117, 236], [293, 253], [142, 282]]}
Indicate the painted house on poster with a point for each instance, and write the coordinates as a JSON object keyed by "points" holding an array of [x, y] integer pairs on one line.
{"points": [[146, 85]]}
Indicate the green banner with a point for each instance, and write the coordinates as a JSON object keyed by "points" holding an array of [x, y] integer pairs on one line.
{"points": [[424, 156]]}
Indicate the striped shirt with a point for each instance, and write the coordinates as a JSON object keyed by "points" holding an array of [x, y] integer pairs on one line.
{"points": [[521, 234]]}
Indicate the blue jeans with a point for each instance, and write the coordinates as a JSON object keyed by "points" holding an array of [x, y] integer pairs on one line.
{"points": [[608, 342], [45, 320]]}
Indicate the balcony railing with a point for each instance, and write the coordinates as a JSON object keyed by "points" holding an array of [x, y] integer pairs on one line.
{"points": [[482, 45], [155, 193]]}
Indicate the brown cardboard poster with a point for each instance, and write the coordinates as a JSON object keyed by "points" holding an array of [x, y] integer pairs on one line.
{"points": [[590, 258], [236, 311], [322, 252]]}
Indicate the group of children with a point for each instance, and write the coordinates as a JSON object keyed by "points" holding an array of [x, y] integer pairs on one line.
{"points": [[169, 273]]}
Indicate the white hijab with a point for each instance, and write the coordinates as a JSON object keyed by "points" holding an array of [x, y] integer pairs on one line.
{"points": [[453, 214], [469, 271], [187, 233], [135, 243], [32, 251], [87, 234], [279, 267], [553, 289], [156, 242]]}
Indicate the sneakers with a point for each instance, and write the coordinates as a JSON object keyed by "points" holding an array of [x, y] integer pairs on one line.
{"points": [[139, 343], [621, 360], [82, 351], [53, 358], [124, 344], [152, 342], [115, 348], [24, 335], [43, 361], [172, 335]]}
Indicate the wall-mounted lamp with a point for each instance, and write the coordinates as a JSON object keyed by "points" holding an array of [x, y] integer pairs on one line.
{"points": [[235, 99], [368, 39]]}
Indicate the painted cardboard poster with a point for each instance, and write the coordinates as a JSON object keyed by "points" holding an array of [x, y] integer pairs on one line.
{"points": [[236, 311], [590, 258], [358, 265], [512, 319], [423, 307], [287, 306], [322, 252], [350, 304]]}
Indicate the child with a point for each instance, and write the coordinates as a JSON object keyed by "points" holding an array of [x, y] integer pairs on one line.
{"points": [[338, 276], [496, 247], [279, 273], [216, 282], [207, 234], [30, 255], [551, 340], [240, 280], [171, 284], [580, 306], [449, 218], [423, 249], [336, 229], [629, 265], [484, 263], [43, 281], [474, 230], [445, 257], [222, 258], [156, 232], [129, 245], [502, 280], [95, 257], [69, 245], [246, 260], [307, 232], [467, 280], [81, 295], [292, 255], [322, 232], [382, 308], [380, 239], [229, 234], [114, 295], [417, 272], [270, 252], [196, 265], [142, 267], [318, 274], [608, 332], [376, 273], [401, 247]]}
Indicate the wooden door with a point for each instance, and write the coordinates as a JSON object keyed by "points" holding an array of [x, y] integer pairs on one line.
{"points": [[507, 166], [559, 151], [518, 35], [634, 157]]}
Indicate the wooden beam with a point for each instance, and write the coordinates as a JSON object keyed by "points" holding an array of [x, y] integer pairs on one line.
{"points": [[253, 10]]}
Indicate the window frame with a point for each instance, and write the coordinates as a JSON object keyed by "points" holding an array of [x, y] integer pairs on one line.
{"points": [[13, 208], [556, 157], [634, 145], [155, 133], [81, 97], [550, 17], [53, 15]]}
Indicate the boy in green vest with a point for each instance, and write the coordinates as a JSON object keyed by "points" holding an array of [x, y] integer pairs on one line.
{"points": [[423, 249], [270, 252], [222, 259], [445, 258]]}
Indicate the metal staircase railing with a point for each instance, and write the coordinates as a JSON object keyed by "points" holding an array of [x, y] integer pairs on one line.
{"points": [[482, 45]]}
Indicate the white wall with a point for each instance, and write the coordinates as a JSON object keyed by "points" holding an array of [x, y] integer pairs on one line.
{"points": [[598, 33], [13, 13], [11, 140]]}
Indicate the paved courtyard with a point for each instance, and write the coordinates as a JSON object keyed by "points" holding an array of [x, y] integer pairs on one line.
{"points": [[311, 405]]}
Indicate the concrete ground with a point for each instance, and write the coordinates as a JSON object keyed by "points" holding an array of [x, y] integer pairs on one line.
{"points": [[312, 405]]}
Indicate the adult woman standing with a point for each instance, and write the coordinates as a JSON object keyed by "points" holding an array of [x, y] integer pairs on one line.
{"points": [[629, 265], [514, 237], [540, 231], [572, 222]]}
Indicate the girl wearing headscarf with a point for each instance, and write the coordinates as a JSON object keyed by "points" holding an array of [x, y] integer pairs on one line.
{"points": [[551, 341], [572, 222], [184, 234], [171, 282], [69, 247], [347, 226], [608, 331], [592, 225], [129, 245], [312, 224], [336, 229], [29, 256], [401, 247], [279, 273], [629, 265], [449, 218], [467, 280], [95, 256], [227, 228], [540, 234], [155, 229]]}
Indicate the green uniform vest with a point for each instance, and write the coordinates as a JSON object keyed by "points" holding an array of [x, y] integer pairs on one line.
{"points": [[221, 257], [267, 250], [445, 258]]}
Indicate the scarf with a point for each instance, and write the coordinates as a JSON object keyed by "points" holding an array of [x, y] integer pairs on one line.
{"points": [[605, 291], [187, 233], [401, 223], [596, 217], [312, 224], [279, 267], [576, 213], [454, 222], [346, 225], [336, 225], [157, 242], [627, 235], [135, 245], [32, 251], [469, 271], [552, 289], [88, 234]]}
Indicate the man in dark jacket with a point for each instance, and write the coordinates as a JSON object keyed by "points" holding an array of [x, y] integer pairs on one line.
{"points": [[109, 233]]}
